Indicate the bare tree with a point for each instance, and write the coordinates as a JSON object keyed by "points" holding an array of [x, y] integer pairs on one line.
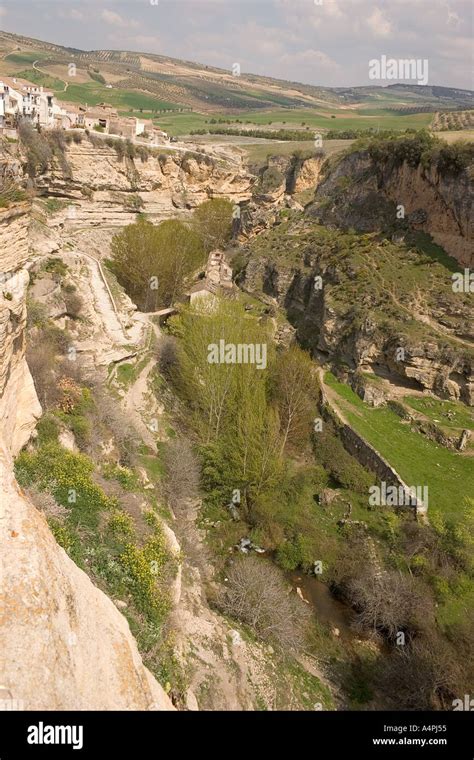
{"points": [[389, 601], [183, 472], [256, 594], [422, 676], [41, 358]]}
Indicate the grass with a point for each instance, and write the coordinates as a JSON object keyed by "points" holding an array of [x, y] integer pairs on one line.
{"points": [[448, 475], [93, 93], [182, 124], [126, 374], [37, 77], [24, 57], [450, 414]]}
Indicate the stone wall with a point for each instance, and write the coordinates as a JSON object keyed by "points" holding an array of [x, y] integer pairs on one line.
{"points": [[368, 457]]}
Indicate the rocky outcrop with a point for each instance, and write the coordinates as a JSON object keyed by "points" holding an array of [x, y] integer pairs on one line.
{"points": [[347, 317], [100, 188], [363, 194], [63, 643], [19, 406]]}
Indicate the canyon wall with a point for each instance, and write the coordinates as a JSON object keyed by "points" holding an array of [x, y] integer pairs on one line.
{"points": [[63, 643], [105, 189], [363, 194]]}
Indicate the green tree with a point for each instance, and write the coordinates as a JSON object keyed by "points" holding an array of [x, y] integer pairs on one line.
{"points": [[212, 221], [153, 262], [295, 390], [228, 402]]}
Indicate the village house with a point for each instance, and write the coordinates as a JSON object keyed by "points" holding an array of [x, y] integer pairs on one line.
{"points": [[127, 126], [217, 279], [100, 117], [68, 116], [22, 99]]}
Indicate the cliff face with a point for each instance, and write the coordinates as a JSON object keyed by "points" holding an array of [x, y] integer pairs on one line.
{"points": [[362, 194], [19, 406], [104, 189], [355, 301], [63, 643]]}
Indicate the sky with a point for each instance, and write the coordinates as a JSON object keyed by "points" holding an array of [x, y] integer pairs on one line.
{"points": [[320, 42]]}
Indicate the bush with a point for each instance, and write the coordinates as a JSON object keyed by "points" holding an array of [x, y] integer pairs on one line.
{"points": [[147, 568], [68, 477], [37, 148], [182, 472], [257, 595]]}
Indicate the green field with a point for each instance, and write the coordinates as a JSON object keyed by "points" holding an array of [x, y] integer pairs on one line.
{"points": [[37, 77], [25, 58], [93, 93], [448, 474], [449, 414], [182, 124]]}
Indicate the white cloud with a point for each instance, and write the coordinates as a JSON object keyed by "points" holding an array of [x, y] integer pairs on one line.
{"points": [[114, 19], [379, 24]]}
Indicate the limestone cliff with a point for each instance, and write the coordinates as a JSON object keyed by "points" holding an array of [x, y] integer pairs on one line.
{"points": [[356, 299], [19, 406], [362, 193], [105, 188], [63, 643]]}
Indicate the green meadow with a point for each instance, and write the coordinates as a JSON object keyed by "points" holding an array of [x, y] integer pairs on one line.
{"points": [[448, 474]]}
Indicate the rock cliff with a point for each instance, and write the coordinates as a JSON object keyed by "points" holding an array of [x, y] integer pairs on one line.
{"points": [[105, 188], [364, 303], [362, 193], [63, 643]]}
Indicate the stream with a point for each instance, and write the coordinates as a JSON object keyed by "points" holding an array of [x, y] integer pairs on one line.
{"points": [[327, 609]]}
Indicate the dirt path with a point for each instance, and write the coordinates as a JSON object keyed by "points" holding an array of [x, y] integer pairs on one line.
{"points": [[104, 303], [138, 402]]}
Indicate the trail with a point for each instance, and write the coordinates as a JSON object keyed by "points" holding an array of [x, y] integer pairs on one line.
{"points": [[139, 401], [47, 74]]}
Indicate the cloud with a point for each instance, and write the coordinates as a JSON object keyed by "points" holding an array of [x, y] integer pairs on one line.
{"points": [[379, 24], [71, 13], [114, 19]]}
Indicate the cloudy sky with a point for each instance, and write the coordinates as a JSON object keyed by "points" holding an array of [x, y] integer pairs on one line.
{"points": [[322, 42]]}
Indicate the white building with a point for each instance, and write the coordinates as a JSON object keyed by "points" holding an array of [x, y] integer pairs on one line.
{"points": [[22, 99]]}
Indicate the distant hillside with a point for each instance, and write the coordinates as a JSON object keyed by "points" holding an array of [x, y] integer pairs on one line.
{"points": [[169, 83]]}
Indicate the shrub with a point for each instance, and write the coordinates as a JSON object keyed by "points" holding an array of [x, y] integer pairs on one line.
{"points": [[147, 569], [257, 595], [68, 477], [182, 472], [37, 148]]}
